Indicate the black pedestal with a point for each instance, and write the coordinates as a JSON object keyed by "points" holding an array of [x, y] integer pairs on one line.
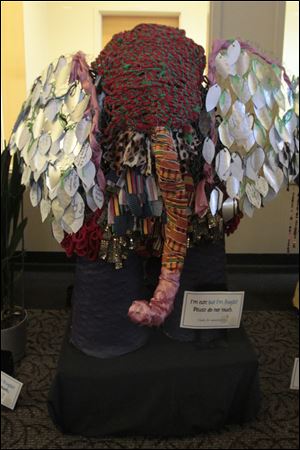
{"points": [[166, 388]]}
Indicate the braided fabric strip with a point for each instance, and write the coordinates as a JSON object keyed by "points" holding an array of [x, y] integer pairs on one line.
{"points": [[175, 198]]}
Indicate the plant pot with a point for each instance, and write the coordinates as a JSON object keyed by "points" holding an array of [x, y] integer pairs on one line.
{"points": [[14, 338]]}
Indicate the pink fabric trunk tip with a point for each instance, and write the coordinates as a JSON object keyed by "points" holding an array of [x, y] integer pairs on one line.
{"points": [[154, 313]]}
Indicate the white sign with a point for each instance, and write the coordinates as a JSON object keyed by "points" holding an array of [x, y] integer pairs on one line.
{"points": [[295, 375], [212, 309], [10, 390]]}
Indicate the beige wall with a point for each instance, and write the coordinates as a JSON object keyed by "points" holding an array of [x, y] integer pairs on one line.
{"points": [[261, 22], [52, 28], [291, 38], [113, 24], [12, 59], [267, 231], [68, 26]]}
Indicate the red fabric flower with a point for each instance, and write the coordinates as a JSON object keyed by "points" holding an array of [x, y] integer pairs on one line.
{"points": [[231, 226], [68, 244], [86, 242]]}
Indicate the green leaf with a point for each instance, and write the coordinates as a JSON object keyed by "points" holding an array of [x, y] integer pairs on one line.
{"points": [[5, 163], [11, 231], [16, 192], [16, 238]]}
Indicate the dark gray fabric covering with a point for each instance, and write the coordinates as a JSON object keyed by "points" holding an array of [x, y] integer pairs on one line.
{"points": [[101, 298], [204, 270], [166, 388]]}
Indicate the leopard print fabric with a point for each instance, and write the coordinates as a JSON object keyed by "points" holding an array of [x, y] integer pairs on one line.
{"points": [[188, 147], [133, 149], [129, 148]]}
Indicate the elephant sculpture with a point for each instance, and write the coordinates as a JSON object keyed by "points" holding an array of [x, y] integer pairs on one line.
{"points": [[139, 150]]}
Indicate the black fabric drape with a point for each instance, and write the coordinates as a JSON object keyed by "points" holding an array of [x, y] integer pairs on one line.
{"points": [[166, 388]]}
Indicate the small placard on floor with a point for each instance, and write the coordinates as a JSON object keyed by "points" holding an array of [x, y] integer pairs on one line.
{"points": [[295, 375], [10, 390]]}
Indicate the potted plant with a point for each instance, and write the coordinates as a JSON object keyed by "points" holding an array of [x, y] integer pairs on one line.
{"points": [[13, 315]]}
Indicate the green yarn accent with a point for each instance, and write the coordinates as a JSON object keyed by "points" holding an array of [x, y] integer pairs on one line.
{"points": [[156, 73], [188, 137], [63, 120]]}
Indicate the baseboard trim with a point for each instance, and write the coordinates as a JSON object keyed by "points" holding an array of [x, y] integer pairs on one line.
{"points": [[236, 262], [266, 262], [49, 261]]}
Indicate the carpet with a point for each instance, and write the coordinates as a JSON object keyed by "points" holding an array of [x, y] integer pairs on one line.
{"points": [[275, 338]]}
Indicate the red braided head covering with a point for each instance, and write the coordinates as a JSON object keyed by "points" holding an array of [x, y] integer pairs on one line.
{"points": [[152, 76]]}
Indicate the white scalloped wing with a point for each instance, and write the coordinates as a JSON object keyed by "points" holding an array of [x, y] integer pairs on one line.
{"points": [[259, 124], [52, 136]]}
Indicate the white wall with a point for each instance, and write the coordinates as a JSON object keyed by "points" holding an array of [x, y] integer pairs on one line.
{"points": [[291, 38], [56, 27], [268, 230]]}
